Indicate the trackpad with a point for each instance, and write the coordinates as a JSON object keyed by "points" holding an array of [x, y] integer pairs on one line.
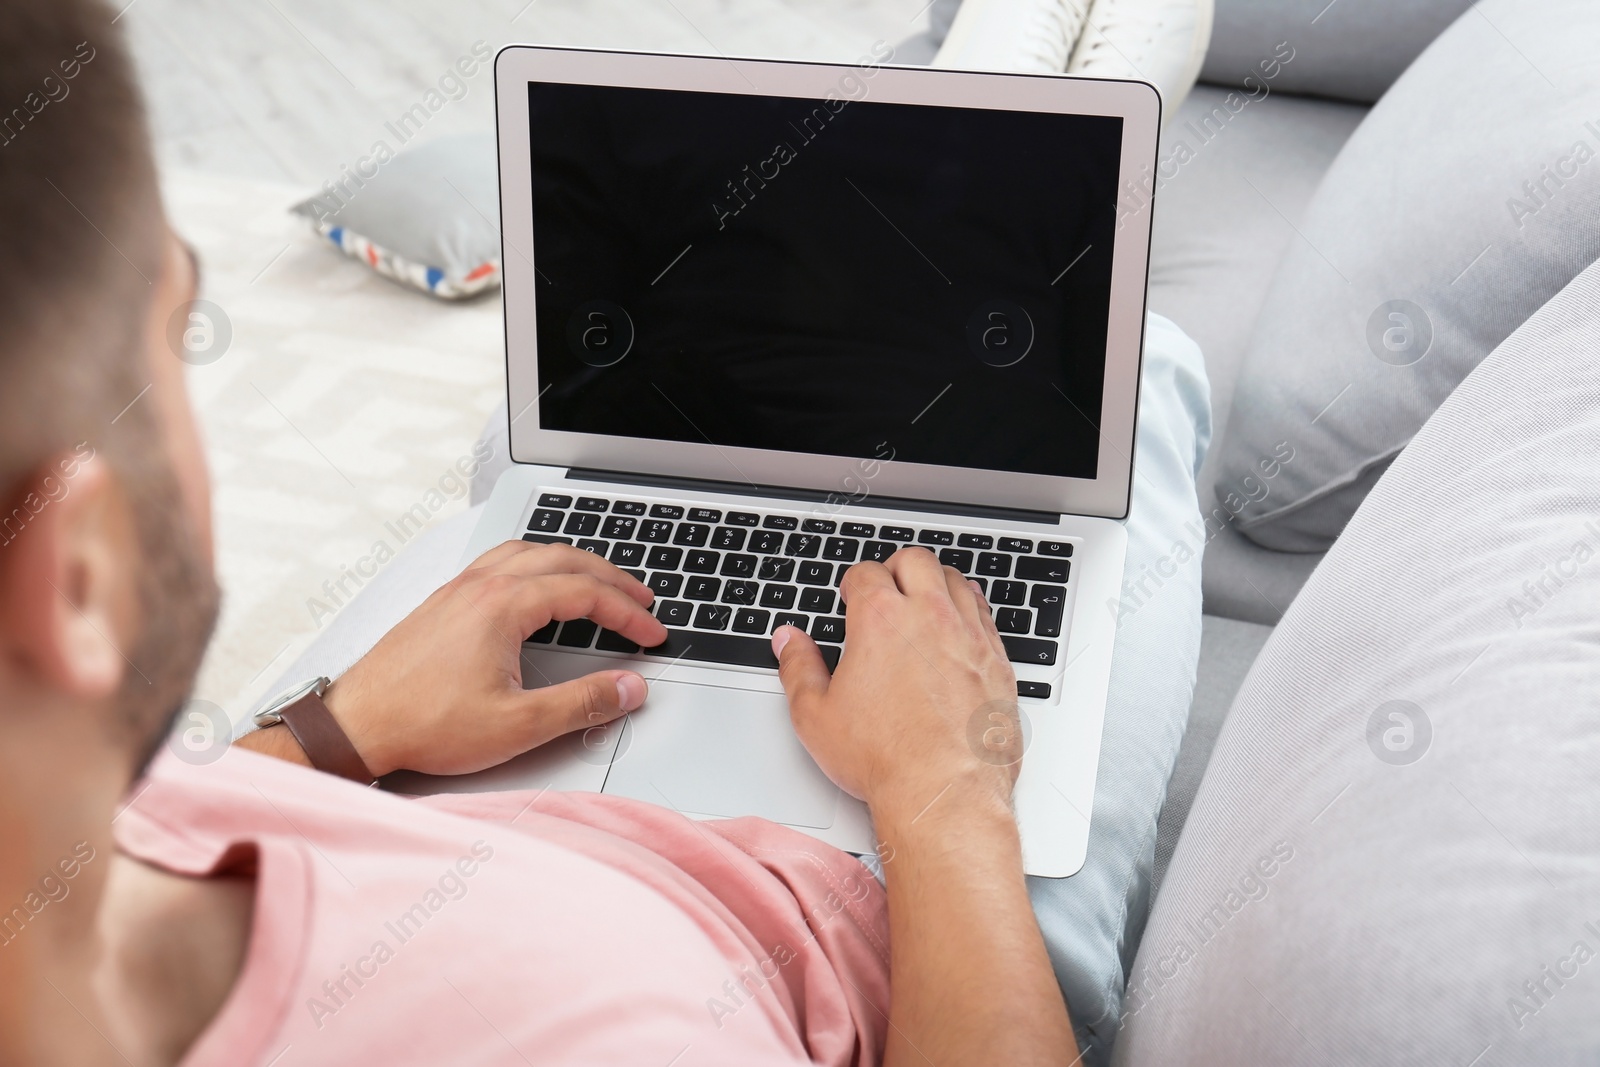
{"points": [[706, 750]]}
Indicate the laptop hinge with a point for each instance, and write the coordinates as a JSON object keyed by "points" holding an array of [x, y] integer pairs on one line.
{"points": [[839, 500]]}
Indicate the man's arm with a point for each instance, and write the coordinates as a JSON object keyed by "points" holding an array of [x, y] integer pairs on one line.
{"points": [[442, 692], [920, 721]]}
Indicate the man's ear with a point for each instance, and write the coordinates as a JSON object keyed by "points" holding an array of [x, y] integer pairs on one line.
{"points": [[69, 565]]}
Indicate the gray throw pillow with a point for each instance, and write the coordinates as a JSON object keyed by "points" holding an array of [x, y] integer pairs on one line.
{"points": [[1348, 49], [1467, 198], [1393, 855], [424, 217]]}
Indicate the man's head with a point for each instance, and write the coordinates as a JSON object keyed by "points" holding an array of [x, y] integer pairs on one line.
{"points": [[106, 596]]}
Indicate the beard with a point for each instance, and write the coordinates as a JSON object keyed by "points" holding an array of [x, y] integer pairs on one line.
{"points": [[178, 603]]}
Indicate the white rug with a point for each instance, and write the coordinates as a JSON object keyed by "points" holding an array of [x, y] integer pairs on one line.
{"points": [[343, 404]]}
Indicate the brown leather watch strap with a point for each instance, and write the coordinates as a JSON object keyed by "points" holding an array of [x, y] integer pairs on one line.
{"points": [[325, 743]]}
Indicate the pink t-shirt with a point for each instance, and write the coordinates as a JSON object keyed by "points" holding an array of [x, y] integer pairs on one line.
{"points": [[518, 928]]}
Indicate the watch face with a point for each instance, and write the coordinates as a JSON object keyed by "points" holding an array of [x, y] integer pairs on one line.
{"points": [[270, 713]]}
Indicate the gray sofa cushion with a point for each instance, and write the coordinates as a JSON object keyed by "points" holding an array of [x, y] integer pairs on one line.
{"points": [[1234, 185], [1428, 242], [1350, 49], [1392, 856]]}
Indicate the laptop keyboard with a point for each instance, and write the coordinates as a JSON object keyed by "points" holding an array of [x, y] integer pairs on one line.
{"points": [[725, 580]]}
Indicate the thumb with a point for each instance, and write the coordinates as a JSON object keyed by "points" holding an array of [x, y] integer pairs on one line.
{"points": [[801, 668], [593, 700]]}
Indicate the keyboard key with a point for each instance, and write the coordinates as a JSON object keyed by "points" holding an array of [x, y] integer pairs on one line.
{"points": [[655, 531], [547, 539], [838, 576], [633, 572], [728, 538], [821, 526], [799, 622], [805, 546], [618, 528], [1029, 650], [959, 558], [1033, 689], [666, 511], [814, 573], [545, 634], [593, 503], [738, 565], [700, 646], [554, 500], [778, 596], [627, 507], [1039, 569], [702, 588], [1015, 544], [895, 533], [858, 529], [674, 612], [739, 592], [598, 548], [1008, 592], [1051, 600], [982, 583], [781, 522], [816, 600], [936, 537], [690, 533], [741, 518], [713, 616], [627, 554], [701, 561], [841, 549], [878, 551], [711, 515], [545, 521], [580, 524], [751, 621], [776, 569], [994, 564], [827, 628], [766, 542], [1013, 620], [1062, 549], [975, 541], [577, 633], [611, 641], [665, 559], [663, 584]]}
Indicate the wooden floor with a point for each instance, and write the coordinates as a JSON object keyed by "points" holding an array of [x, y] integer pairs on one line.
{"points": [[290, 89]]}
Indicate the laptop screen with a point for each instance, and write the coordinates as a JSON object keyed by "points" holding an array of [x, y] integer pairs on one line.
{"points": [[844, 277]]}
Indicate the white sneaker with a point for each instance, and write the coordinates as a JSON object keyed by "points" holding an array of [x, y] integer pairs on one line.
{"points": [[1159, 41], [1022, 36]]}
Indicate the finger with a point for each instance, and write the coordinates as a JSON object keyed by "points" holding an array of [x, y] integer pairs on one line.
{"points": [[987, 612], [864, 576], [580, 704], [961, 596], [536, 600], [801, 669], [531, 560], [917, 572]]}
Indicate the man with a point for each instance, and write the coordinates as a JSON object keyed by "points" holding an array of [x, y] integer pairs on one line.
{"points": [[256, 911]]}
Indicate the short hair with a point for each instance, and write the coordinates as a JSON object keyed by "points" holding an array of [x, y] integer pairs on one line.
{"points": [[83, 238]]}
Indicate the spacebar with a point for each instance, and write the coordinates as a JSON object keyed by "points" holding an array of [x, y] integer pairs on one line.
{"points": [[705, 647]]}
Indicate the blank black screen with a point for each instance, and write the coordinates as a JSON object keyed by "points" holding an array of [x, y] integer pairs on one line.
{"points": [[844, 277]]}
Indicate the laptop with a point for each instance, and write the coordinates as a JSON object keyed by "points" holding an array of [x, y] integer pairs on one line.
{"points": [[767, 319]]}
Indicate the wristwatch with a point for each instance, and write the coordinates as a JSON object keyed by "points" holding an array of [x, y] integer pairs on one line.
{"points": [[322, 739]]}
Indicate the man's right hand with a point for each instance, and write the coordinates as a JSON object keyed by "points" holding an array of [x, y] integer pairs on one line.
{"points": [[923, 698]]}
